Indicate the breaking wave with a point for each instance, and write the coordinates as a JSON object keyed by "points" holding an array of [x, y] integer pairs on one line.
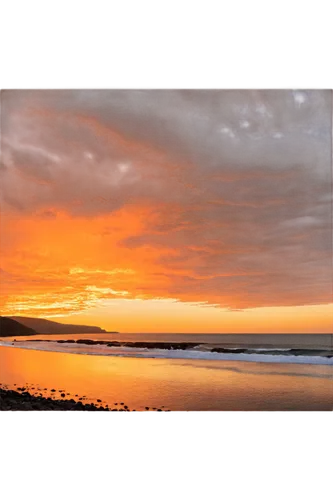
{"points": [[180, 351]]}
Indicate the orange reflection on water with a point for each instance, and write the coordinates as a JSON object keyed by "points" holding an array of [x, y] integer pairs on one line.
{"points": [[174, 384]]}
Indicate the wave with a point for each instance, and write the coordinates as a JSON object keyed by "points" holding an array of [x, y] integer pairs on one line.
{"points": [[176, 351]]}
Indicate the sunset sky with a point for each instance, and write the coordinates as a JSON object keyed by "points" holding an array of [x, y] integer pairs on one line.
{"points": [[168, 211]]}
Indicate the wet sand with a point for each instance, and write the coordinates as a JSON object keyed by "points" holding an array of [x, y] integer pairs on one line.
{"points": [[194, 385]]}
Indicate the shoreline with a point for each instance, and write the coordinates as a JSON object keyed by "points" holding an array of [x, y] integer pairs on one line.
{"points": [[22, 400], [141, 384], [178, 350], [186, 346]]}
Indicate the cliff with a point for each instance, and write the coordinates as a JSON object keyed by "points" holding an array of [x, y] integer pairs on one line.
{"points": [[10, 328], [47, 326]]}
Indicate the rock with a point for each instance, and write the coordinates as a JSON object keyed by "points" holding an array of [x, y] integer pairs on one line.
{"points": [[78, 408], [228, 351], [24, 401], [85, 341]]}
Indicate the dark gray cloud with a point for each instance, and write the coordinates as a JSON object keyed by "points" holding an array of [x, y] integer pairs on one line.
{"points": [[199, 124], [31, 163]]}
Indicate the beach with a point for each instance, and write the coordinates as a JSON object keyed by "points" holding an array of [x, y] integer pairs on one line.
{"points": [[30, 398], [171, 384], [22, 400]]}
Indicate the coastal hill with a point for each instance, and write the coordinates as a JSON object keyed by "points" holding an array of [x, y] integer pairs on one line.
{"points": [[10, 327], [47, 326]]}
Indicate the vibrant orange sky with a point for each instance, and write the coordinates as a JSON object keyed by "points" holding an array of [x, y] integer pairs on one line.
{"points": [[170, 211]]}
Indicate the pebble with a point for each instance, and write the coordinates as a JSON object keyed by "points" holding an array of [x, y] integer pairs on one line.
{"points": [[21, 399]]}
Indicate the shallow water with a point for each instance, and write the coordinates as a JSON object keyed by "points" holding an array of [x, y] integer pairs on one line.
{"points": [[174, 384]]}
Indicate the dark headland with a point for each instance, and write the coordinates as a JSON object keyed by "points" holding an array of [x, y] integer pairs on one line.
{"points": [[9, 327], [38, 325]]}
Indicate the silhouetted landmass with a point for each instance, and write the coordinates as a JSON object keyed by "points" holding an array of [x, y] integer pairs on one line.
{"points": [[48, 327], [10, 327]]}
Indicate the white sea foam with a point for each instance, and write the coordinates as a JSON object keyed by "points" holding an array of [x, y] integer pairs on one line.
{"points": [[134, 352], [263, 349]]}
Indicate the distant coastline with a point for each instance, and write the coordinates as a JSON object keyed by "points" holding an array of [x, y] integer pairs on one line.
{"points": [[22, 326], [9, 327]]}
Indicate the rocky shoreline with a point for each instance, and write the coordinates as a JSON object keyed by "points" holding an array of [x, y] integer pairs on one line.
{"points": [[142, 345], [170, 346], [23, 400]]}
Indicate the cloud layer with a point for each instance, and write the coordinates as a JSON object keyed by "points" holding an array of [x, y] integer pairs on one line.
{"points": [[226, 194]]}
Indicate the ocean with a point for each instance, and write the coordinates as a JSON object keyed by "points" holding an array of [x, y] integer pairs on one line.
{"points": [[219, 372], [270, 348]]}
